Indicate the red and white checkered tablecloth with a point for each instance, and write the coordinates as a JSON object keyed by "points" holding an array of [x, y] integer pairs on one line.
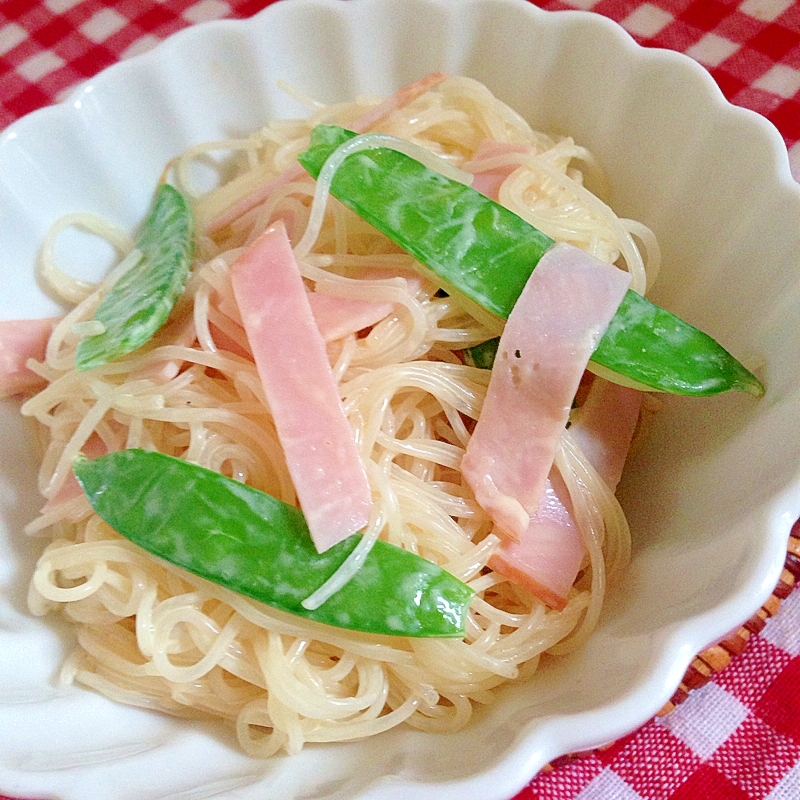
{"points": [[737, 737]]}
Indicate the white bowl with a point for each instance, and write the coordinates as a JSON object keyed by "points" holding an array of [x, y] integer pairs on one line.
{"points": [[711, 496]]}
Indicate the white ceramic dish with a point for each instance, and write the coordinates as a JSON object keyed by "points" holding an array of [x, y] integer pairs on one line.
{"points": [[710, 498]]}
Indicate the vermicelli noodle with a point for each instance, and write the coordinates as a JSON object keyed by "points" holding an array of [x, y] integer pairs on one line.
{"points": [[151, 634]]}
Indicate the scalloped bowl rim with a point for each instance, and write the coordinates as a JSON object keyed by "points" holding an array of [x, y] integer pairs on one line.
{"points": [[536, 744]]}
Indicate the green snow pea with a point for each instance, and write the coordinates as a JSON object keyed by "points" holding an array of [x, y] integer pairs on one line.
{"points": [[482, 355], [138, 304], [683, 360], [478, 248], [258, 546]]}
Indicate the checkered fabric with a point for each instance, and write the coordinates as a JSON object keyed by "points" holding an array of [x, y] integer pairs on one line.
{"points": [[736, 736], [751, 48], [48, 47]]}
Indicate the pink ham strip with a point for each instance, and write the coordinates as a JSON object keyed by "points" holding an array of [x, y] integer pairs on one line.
{"points": [[402, 97], [604, 425], [548, 556], [328, 474], [20, 340], [551, 332], [225, 342], [339, 316], [489, 181], [240, 208], [70, 489]]}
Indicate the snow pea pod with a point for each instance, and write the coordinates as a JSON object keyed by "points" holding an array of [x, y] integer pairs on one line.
{"points": [[683, 360], [482, 355], [140, 301], [485, 252], [258, 546]]}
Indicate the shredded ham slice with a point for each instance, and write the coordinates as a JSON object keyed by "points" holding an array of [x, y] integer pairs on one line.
{"points": [[552, 331], [70, 489], [604, 425], [225, 342], [328, 474], [489, 181], [240, 208], [402, 97], [548, 556], [20, 340], [339, 316]]}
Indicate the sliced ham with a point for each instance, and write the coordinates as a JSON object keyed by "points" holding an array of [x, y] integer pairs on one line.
{"points": [[547, 559], [328, 474], [339, 316], [548, 556], [250, 201], [70, 489], [20, 340], [489, 181], [552, 331], [402, 97], [604, 425]]}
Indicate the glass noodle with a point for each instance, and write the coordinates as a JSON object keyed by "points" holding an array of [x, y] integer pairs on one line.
{"points": [[150, 634]]}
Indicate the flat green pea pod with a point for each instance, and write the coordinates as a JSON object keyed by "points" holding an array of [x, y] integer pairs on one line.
{"points": [[683, 360], [482, 355], [141, 300], [252, 543], [486, 253]]}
